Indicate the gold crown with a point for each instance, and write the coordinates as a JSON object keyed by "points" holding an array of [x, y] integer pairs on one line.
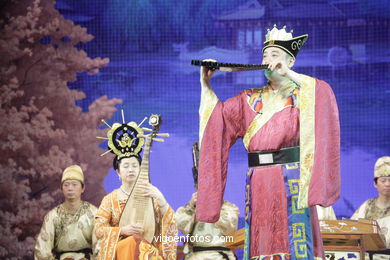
{"points": [[279, 35]]}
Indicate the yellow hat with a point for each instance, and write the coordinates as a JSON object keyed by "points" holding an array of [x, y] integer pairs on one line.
{"points": [[73, 172], [382, 167]]}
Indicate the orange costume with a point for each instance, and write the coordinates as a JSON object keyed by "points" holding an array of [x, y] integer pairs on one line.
{"points": [[110, 245]]}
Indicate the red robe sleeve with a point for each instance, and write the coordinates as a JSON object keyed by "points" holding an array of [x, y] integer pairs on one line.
{"points": [[324, 187], [224, 126]]}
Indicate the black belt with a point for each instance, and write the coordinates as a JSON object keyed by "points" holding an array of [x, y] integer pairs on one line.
{"points": [[282, 156], [208, 248], [213, 248]]}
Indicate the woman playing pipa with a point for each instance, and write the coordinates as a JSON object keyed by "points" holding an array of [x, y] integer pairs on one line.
{"points": [[134, 221]]}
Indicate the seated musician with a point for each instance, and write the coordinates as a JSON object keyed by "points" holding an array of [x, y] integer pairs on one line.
{"points": [[66, 232], [379, 208], [126, 242], [214, 248]]}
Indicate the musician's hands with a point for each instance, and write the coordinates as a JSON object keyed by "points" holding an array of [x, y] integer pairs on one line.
{"points": [[132, 229], [194, 197], [193, 200], [206, 73], [279, 66], [149, 190]]}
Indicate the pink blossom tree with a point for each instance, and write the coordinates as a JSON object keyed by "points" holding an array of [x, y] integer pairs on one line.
{"points": [[41, 128]]}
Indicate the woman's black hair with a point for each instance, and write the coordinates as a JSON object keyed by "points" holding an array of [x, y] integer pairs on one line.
{"points": [[116, 162]]}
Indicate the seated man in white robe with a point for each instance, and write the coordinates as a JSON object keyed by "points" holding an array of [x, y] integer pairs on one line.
{"points": [[207, 240], [66, 233], [379, 208]]}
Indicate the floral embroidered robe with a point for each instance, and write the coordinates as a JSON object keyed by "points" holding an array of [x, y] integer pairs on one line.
{"points": [[63, 231], [107, 232], [266, 120], [215, 232], [369, 210]]}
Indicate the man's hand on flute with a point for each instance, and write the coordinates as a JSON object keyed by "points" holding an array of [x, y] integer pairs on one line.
{"points": [[283, 69], [206, 74]]}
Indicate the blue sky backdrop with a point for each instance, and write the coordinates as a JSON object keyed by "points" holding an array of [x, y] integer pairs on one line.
{"points": [[150, 44]]}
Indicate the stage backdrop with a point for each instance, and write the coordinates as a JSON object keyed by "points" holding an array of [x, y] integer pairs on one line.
{"points": [[149, 45]]}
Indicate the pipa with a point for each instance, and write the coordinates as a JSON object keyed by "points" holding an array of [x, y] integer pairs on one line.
{"points": [[139, 209]]}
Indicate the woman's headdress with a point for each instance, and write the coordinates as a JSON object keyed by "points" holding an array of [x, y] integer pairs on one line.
{"points": [[124, 139], [127, 139]]}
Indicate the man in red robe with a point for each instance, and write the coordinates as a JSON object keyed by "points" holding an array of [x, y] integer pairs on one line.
{"points": [[290, 128]]}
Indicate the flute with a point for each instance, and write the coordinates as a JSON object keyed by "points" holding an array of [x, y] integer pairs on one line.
{"points": [[229, 66]]}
